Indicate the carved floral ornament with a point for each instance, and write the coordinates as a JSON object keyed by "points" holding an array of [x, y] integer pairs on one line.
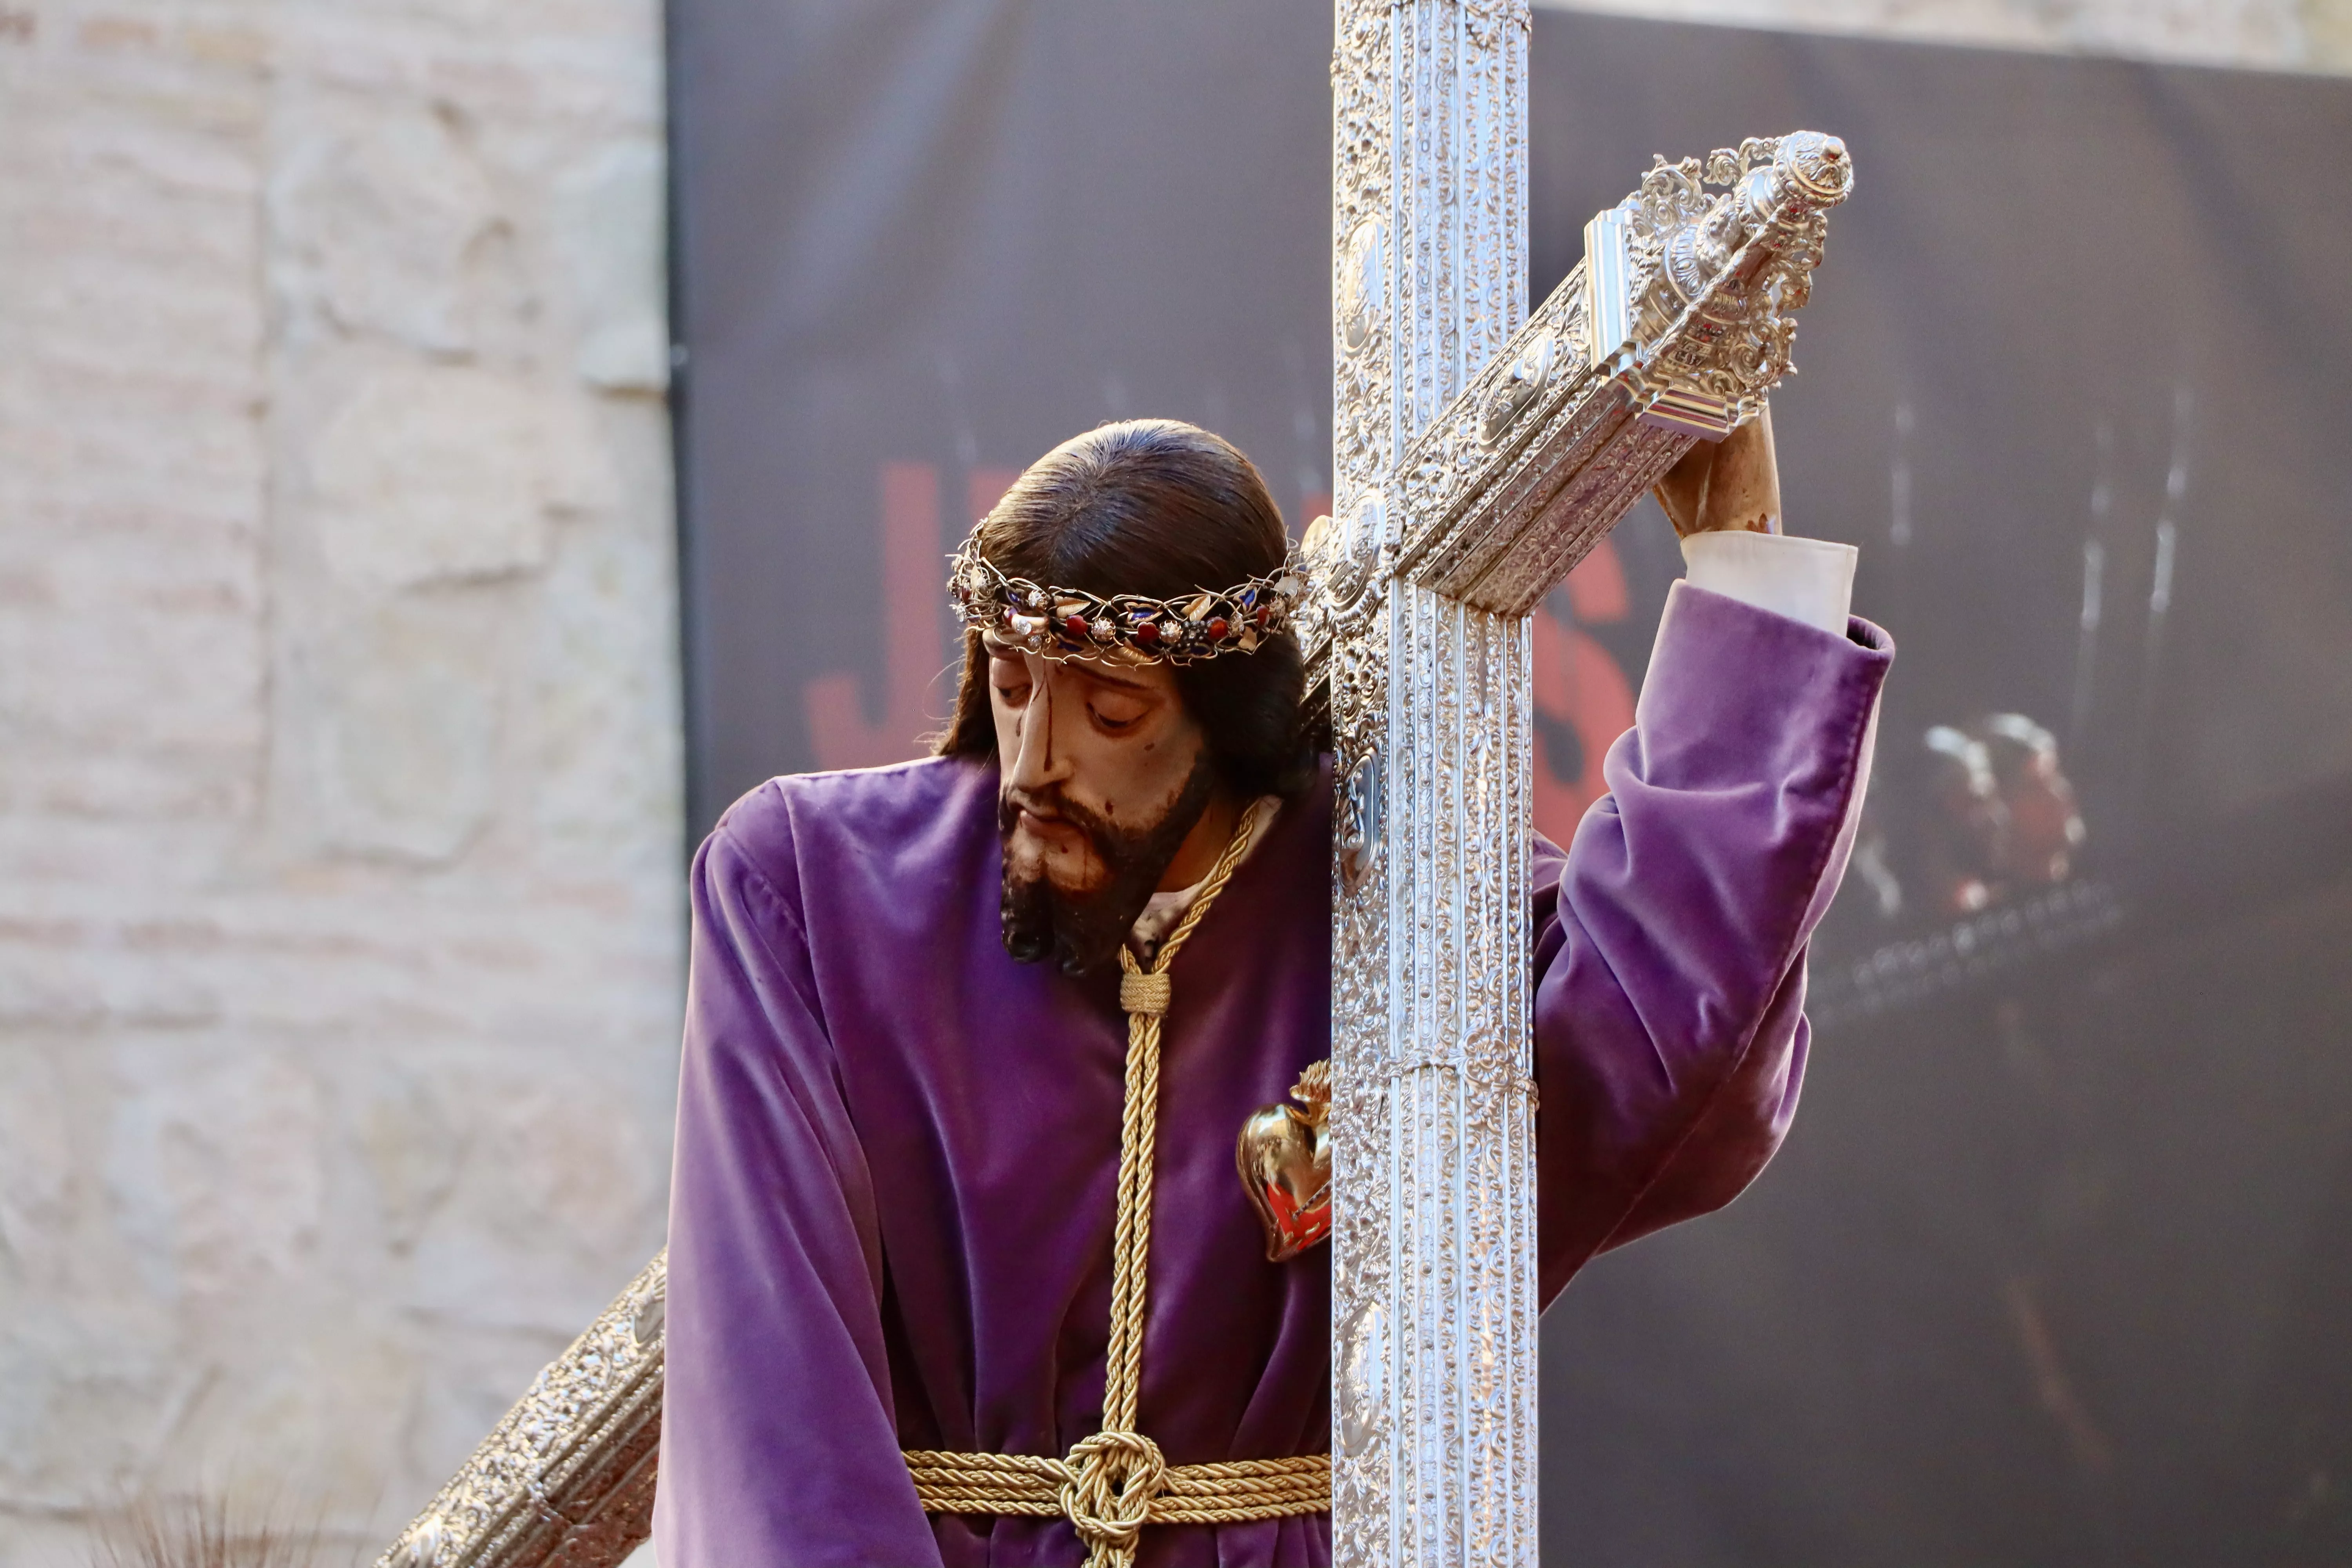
{"points": [[1730, 241]]}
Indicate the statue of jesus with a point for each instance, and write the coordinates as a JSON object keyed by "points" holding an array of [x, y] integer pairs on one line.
{"points": [[993, 1238]]}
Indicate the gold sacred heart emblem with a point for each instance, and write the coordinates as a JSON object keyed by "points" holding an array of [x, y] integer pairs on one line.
{"points": [[1285, 1159]]}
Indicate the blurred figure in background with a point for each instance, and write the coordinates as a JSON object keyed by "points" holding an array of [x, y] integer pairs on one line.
{"points": [[1996, 817], [2045, 824], [1964, 826]]}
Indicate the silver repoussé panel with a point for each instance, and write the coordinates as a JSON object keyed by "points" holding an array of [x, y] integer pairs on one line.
{"points": [[1433, 1286], [1475, 460], [567, 1479]]}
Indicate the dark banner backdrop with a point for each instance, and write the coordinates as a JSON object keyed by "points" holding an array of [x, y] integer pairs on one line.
{"points": [[2058, 1264]]}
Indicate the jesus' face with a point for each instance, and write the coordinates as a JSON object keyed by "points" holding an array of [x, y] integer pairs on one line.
{"points": [[1105, 778]]}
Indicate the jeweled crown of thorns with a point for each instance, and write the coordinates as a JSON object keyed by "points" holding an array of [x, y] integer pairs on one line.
{"points": [[1069, 623]]}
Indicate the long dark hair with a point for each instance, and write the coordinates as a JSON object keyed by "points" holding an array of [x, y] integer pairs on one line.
{"points": [[1159, 507]]}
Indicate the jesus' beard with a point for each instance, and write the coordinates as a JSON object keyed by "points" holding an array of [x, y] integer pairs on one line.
{"points": [[1082, 931]]}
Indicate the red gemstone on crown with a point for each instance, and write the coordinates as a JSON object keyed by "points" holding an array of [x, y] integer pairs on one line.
{"points": [[1218, 627], [1265, 614], [1075, 625], [1148, 634]]}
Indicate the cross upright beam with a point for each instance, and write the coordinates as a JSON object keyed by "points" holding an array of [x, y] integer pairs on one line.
{"points": [[1434, 1253], [1477, 456]]}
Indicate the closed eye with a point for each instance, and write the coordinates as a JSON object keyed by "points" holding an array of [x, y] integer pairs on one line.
{"points": [[1116, 708], [1010, 679]]}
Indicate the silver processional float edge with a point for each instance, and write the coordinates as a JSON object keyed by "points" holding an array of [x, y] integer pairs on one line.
{"points": [[1674, 327]]}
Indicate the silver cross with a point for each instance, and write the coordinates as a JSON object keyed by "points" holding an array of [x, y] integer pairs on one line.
{"points": [[1478, 455]]}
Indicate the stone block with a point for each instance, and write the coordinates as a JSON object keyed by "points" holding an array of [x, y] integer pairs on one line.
{"points": [[37, 1168], [607, 229], [384, 218], [434, 473], [402, 732], [215, 1169]]}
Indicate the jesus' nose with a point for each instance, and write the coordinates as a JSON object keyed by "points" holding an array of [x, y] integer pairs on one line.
{"points": [[1037, 764]]}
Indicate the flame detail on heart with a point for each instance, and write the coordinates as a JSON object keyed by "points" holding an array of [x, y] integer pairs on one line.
{"points": [[1283, 1155]]}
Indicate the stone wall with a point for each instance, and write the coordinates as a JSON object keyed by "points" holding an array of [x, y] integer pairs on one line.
{"points": [[2277, 35], [339, 860]]}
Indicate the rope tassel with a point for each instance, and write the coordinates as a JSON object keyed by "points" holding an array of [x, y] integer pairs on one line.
{"points": [[1114, 1483]]}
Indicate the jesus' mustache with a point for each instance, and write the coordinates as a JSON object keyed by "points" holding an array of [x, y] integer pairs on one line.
{"points": [[1083, 931]]}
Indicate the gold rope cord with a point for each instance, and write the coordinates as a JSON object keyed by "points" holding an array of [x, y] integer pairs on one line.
{"points": [[1114, 1483]]}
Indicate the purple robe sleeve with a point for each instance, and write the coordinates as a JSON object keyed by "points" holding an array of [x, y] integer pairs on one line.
{"points": [[778, 1442], [1670, 939]]}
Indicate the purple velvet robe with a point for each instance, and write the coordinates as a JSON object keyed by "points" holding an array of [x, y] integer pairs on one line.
{"points": [[891, 1216]]}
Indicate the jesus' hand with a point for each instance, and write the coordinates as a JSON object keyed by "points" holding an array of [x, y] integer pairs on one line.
{"points": [[1731, 484]]}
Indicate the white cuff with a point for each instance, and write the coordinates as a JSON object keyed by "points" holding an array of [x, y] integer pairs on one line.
{"points": [[1807, 580]]}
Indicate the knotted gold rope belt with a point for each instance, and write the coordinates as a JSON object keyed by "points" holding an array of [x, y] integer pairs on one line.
{"points": [[1114, 1483]]}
